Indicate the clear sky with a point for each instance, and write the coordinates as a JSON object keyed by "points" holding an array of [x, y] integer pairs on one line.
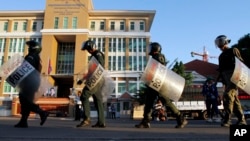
{"points": [[180, 26]]}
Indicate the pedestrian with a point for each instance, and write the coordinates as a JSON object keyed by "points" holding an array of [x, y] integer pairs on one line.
{"points": [[151, 94], [86, 92], [30, 85], [109, 111], [210, 93], [231, 101], [113, 111]]}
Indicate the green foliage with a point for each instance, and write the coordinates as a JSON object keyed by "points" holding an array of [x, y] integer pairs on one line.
{"points": [[244, 46], [179, 68]]}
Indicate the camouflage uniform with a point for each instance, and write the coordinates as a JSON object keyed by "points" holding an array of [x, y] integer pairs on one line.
{"points": [[231, 101]]}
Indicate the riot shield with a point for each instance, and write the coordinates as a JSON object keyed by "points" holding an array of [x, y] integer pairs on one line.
{"points": [[23, 77], [99, 75], [240, 76], [165, 81]]}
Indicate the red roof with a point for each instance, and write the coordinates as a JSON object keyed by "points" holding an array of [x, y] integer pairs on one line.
{"points": [[203, 68]]}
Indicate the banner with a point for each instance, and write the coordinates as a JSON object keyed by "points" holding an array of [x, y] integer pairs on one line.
{"points": [[165, 81], [240, 76]]}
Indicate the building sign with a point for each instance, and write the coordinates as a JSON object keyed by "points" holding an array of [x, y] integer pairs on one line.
{"points": [[66, 7]]}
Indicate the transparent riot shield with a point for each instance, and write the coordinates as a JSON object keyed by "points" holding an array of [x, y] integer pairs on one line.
{"points": [[107, 87], [99, 75], [96, 72], [240, 76], [24, 77], [165, 81]]}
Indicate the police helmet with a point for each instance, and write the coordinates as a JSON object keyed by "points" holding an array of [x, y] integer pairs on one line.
{"points": [[34, 47], [154, 47], [88, 45], [221, 40]]}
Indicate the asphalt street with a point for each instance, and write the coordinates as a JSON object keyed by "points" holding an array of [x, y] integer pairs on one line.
{"points": [[121, 129]]}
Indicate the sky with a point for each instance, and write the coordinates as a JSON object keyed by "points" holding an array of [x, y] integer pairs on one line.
{"points": [[180, 26]]}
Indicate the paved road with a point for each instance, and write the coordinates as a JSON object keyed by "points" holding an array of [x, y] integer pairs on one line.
{"points": [[63, 129]]}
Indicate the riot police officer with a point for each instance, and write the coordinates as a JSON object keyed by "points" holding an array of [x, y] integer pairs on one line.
{"points": [[30, 85], [151, 94], [86, 92], [231, 102]]}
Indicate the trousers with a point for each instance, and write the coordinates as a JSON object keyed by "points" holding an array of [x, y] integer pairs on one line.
{"points": [[98, 102], [151, 95]]}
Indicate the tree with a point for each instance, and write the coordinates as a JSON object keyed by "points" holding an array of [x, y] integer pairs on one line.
{"points": [[244, 46]]}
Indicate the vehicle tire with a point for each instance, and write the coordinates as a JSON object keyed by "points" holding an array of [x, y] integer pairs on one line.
{"points": [[204, 115]]}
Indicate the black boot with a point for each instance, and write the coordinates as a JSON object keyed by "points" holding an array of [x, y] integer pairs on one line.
{"points": [[43, 116], [143, 124], [98, 125], [181, 121], [22, 123]]}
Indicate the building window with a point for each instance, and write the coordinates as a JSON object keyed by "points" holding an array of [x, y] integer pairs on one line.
{"points": [[142, 26], [132, 87], [24, 26], [74, 23], [132, 45], [7, 87], [65, 22], [34, 26], [132, 25], [15, 26], [126, 106], [112, 44], [5, 26], [2, 60], [13, 45], [133, 63], [42, 25], [112, 26], [56, 22], [2, 44], [102, 25], [65, 58], [122, 26], [121, 63], [92, 25], [112, 62], [121, 87], [121, 45]]}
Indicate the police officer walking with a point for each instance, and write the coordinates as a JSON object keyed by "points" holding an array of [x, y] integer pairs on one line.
{"points": [[30, 85], [86, 92], [231, 101], [151, 95]]}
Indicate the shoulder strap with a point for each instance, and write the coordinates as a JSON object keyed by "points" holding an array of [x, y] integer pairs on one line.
{"points": [[237, 54]]}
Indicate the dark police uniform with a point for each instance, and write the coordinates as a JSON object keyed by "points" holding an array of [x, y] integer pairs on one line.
{"points": [[151, 94], [28, 87]]}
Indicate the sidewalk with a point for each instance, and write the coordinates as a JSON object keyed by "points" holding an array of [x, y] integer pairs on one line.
{"points": [[64, 129]]}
